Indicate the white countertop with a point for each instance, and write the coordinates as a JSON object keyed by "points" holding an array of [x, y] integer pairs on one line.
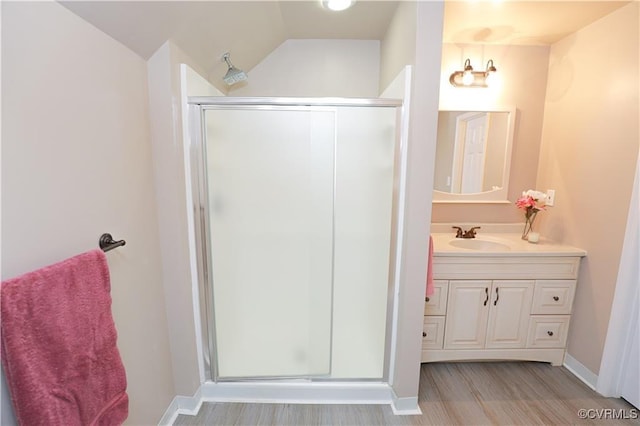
{"points": [[516, 246]]}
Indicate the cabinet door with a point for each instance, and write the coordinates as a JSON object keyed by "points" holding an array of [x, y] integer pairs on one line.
{"points": [[509, 314], [467, 312], [436, 304]]}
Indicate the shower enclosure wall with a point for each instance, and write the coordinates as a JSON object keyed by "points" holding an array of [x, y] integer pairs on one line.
{"points": [[295, 221]]}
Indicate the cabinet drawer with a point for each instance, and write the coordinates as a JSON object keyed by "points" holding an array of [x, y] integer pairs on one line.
{"points": [[553, 297], [436, 304], [548, 331], [433, 333]]}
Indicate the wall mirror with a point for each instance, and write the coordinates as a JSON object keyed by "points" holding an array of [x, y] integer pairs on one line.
{"points": [[473, 155]]}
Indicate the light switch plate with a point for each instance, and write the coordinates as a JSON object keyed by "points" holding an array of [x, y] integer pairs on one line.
{"points": [[551, 197]]}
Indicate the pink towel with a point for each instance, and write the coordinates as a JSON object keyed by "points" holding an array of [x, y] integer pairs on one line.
{"points": [[59, 345], [430, 268]]}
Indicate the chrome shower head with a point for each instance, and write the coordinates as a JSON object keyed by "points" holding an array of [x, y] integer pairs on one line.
{"points": [[234, 75]]}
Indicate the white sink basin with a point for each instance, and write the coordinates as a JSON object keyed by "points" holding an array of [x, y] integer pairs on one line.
{"points": [[479, 244]]}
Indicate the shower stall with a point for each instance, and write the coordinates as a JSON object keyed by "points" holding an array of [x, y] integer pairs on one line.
{"points": [[296, 207]]}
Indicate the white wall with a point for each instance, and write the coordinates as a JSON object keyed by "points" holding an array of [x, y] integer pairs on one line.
{"points": [[398, 47], [589, 150], [426, 19], [76, 163], [173, 211], [196, 85], [310, 68]]}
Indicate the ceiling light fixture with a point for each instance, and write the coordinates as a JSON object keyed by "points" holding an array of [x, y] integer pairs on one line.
{"points": [[470, 78], [337, 5]]}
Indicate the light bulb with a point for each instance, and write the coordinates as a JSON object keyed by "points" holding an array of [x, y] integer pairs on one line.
{"points": [[490, 78], [467, 78], [337, 5], [489, 75]]}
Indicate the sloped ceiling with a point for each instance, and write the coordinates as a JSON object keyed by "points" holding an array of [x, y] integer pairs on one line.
{"points": [[251, 30]]}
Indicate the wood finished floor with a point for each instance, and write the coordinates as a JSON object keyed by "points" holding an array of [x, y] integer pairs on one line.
{"points": [[511, 393]]}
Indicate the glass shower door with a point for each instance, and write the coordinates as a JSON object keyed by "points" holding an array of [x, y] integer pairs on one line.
{"points": [[270, 179]]}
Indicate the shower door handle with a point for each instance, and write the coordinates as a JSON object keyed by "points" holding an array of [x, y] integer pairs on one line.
{"points": [[205, 254]]}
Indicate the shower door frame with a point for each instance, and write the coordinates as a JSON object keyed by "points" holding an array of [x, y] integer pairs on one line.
{"points": [[197, 134]]}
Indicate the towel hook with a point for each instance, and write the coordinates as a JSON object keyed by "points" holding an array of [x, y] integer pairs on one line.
{"points": [[107, 243]]}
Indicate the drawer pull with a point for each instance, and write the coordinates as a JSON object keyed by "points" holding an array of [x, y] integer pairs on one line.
{"points": [[495, 302], [426, 299], [486, 292], [550, 333], [556, 298], [424, 334]]}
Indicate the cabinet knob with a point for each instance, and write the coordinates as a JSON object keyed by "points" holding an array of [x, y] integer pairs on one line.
{"points": [[424, 334], [426, 299], [556, 298], [550, 333]]}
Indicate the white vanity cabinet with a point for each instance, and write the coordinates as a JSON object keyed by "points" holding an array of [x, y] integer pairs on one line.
{"points": [[499, 308]]}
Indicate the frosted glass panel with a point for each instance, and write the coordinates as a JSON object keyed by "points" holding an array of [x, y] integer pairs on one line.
{"points": [[270, 183], [364, 193]]}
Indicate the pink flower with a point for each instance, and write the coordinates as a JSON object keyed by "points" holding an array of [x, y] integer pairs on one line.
{"points": [[525, 202], [530, 204]]}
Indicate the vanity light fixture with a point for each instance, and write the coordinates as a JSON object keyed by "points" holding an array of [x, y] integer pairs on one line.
{"points": [[337, 5], [470, 78]]}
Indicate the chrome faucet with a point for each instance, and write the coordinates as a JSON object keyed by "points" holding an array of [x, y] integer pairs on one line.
{"points": [[471, 233]]}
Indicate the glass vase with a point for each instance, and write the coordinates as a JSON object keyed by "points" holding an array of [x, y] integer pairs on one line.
{"points": [[528, 224]]}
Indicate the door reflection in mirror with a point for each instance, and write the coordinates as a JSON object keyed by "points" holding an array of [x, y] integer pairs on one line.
{"points": [[471, 150]]}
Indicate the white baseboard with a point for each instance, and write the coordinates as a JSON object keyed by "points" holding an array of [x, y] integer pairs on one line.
{"points": [[290, 393], [188, 405], [405, 406], [170, 414], [580, 371]]}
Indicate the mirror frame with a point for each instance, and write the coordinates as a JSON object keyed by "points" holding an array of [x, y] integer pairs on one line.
{"points": [[496, 196]]}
